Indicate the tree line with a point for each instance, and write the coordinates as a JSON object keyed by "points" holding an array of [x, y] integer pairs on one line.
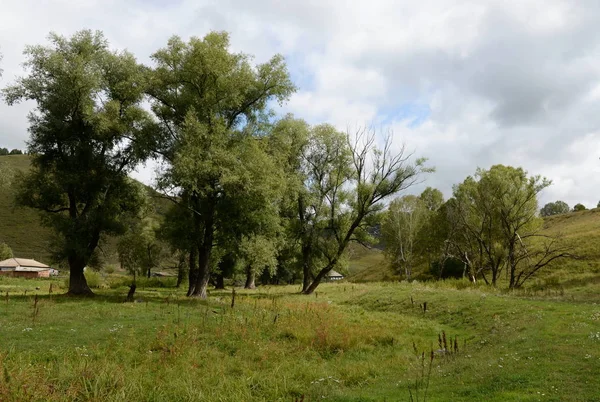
{"points": [[5, 151], [247, 190], [489, 227]]}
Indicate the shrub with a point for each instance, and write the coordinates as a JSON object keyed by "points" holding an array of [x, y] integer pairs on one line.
{"points": [[5, 252], [452, 268]]}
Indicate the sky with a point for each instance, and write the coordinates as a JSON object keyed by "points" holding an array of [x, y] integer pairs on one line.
{"points": [[465, 84]]}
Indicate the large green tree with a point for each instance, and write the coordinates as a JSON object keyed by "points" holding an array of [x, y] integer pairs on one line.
{"points": [[348, 178], [498, 226], [88, 131], [210, 102]]}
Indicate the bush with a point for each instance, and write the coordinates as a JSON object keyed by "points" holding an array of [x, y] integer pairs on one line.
{"points": [[453, 268], [110, 269], [5, 252]]}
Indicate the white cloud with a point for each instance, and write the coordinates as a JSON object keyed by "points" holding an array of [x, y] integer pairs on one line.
{"points": [[513, 82]]}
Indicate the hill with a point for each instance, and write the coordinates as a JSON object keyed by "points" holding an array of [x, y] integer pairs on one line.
{"points": [[21, 228]]}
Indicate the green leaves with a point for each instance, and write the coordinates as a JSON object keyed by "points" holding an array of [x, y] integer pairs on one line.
{"points": [[87, 132]]}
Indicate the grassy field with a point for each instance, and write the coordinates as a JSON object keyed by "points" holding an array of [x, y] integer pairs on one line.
{"points": [[348, 342]]}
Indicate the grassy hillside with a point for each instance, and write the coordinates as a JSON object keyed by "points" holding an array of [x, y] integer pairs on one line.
{"points": [[20, 227]]}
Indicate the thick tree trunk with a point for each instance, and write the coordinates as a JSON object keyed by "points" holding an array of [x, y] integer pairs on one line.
{"points": [[203, 272], [77, 283], [193, 273], [311, 288], [249, 279]]}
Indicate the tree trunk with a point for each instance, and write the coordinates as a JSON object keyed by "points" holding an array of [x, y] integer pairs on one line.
{"points": [[249, 278], [180, 270], [149, 273], [131, 292], [311, 288], [203, 271], [305, 268], [193, 273], [77, 283], [220, 281]]}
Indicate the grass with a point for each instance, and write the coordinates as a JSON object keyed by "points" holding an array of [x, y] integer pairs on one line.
{"points": [[348, 342]]}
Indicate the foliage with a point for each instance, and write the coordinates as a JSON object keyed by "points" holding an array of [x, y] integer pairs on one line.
{"points": [[495, 216], [402, 225], [347, 181], [5, 252], [433, 198], [555, 208], [447, 268], [87, 132], [139, 249], [211, 104], [579, 207]]}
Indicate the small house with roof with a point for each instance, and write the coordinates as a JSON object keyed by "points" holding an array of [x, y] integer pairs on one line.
{"points": [[25, 268], [334, 276]]}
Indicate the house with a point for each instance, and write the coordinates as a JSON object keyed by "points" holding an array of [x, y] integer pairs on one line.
{"points": [[334, 276], [25, 268]]}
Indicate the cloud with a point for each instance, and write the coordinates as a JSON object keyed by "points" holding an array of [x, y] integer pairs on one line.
{"points": [[465, 83]]}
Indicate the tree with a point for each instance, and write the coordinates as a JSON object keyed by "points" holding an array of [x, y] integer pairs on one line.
{"points": [[402, 225], [598, 205], [497, 212], [209, 102], [555, 208], [349, 178], [287, 143], [139, 249], [257, 253], [5, 252], [433, 198], [579, 207], [4, 151], [16, 152], [87, 132]]}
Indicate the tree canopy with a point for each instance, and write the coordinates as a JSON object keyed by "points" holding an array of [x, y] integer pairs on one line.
{"points": [[555, 208], [88, 131]]}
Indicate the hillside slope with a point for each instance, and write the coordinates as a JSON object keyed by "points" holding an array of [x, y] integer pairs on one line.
{"points": [[21, 229]]}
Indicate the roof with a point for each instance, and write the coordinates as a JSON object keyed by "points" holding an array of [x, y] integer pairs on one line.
{"points": [[22, 262], [334, 273]]}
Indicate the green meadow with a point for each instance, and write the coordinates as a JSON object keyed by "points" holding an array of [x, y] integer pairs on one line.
{"points": [[347, 342]]}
